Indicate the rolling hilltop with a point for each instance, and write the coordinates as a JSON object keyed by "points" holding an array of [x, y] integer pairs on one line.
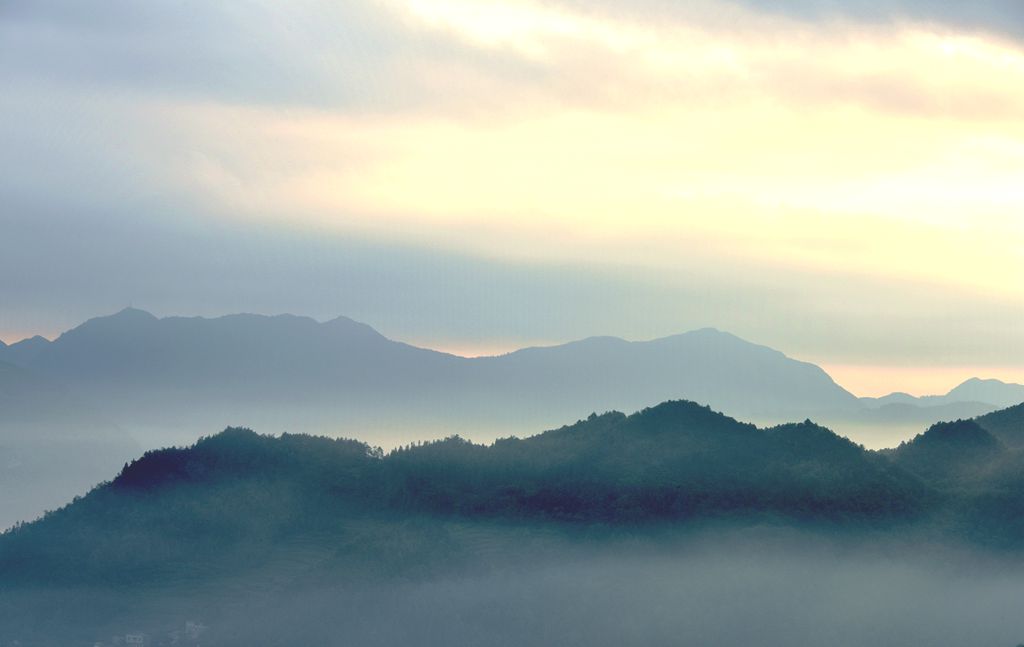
{"points": [[238, 509], [678, 462]]}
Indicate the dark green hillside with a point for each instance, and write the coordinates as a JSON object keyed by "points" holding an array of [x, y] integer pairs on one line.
{"points": [[216, 526], [950, 453], [1006, 424], [222, 503], [674, 461], [230, 498], [980, 478]]}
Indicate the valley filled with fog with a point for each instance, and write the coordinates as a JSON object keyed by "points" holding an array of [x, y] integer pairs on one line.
{"points": [[519, 587], [511, 323]]}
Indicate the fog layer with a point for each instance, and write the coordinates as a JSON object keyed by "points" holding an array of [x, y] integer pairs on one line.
{"points": [[726, 589]]}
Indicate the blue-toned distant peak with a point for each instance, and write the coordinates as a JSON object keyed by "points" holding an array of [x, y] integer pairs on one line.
{"points": [[37, 341], [127, 316], [131, 314], [991, 391], [353, 327], [713, 338], [25, 351], [132, 321], [133, 348], [707, 337], [707, 331], [122, 321], [725, 344]]}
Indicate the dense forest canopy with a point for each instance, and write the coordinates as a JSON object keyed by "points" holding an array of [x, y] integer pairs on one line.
{"points": [[185, 527], [676, 462]]}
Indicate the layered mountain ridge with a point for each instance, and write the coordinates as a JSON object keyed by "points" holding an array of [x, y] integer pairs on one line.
{"points": [[293, 372], [154, 382], [341, 375]]}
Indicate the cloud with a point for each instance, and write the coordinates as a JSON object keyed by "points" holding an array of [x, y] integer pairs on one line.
{"points": [[246, 52], [837, 181], [998, 16], [352, 56], [1002, 17]]}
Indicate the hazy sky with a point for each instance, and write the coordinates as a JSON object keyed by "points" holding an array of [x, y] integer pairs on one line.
{"points": [[843, 181]]}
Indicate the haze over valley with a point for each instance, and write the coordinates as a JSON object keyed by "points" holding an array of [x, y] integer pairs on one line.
{"points": [[511, 323]]}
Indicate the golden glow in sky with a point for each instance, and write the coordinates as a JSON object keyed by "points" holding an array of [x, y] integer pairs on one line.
{"points": [[866, 175], [892, 150]]}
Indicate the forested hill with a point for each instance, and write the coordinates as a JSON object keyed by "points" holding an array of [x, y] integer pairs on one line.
{"points": [[1006, 424], [233, 497]]}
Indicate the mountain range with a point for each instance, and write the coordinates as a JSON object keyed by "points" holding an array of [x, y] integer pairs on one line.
{"points": [[342, 376], [240, 521], [990, 392], [150, 382]]}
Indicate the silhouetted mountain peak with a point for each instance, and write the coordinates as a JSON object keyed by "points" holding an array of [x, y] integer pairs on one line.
{"points": [[711, 332], [351, 326], [896, 396], [25, 351], [126, 321], [133, 313], [993, 391], [709, 335], [126, 317], [975, 381], [974, 393], [36, 341]]}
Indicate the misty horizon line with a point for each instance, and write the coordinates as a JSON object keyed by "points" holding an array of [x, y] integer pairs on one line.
{"points": [[453, 350]]}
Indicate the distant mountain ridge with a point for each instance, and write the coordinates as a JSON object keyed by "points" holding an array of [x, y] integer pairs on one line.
{"points": [[341, 374], [169, 379], [991, 392]]}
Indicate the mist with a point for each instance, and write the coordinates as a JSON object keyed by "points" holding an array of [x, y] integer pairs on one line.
{"points": [[726, 587], [740, 594]]}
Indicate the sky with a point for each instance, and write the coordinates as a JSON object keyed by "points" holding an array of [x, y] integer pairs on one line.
{"points": [[842, 181]]}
